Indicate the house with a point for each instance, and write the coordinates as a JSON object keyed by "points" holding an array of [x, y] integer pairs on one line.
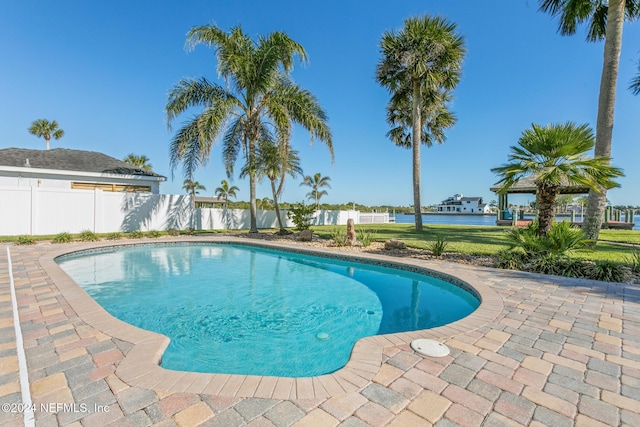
{"points": [[73, 169], [459, 204]]}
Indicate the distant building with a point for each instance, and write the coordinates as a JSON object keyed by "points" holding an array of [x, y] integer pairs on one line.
{"points": [[74, 169], [459, 204]]}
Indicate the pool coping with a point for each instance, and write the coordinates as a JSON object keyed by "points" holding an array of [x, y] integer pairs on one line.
{"points": [[140, 367]]}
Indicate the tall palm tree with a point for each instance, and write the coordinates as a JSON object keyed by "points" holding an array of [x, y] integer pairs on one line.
{"points": [[192, 187], [275, 162], [43, 128], [555, 155], [258, 102], [226, 191], [436, 117], [316, 182], [605, 20], [141, 161], [424, 56]]}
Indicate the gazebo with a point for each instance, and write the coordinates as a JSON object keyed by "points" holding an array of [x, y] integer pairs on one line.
{"points": [[526, 186]]}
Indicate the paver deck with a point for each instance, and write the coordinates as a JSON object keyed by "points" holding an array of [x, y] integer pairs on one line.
{"points": [[540, 351]]}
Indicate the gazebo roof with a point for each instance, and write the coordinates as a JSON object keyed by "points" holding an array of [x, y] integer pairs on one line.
{"points": [[527, 186]]}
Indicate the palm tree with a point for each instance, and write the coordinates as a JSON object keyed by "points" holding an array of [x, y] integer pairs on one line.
{"points": [[424, 57], [555, 155], [275, 162], [141, 161], [264, 203], [258, 102], [605, 21], [43, 128], [192, 187], [316, 182], [226, 191], [635, 84], [436, 117]]}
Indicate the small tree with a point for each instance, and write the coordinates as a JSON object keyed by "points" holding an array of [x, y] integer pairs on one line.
{"points": [[192, 187], [301, 215], [141, 161], [226, 191], [316, 182], [43, 128]]}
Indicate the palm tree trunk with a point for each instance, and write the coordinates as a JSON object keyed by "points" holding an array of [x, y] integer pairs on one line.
{"points": [[415, 142], [275, 204], [606, 104], [546, 197], [47, 141], [252, 188]]}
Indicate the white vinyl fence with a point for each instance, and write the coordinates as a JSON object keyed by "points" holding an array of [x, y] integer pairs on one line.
{"points": [[39, 211]]}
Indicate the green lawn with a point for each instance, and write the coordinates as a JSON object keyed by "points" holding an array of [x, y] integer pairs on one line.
{"points": [[471, 240], [476, 240]]}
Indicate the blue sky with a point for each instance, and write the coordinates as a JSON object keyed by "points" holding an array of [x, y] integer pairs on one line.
{"points": [[103, 71]]}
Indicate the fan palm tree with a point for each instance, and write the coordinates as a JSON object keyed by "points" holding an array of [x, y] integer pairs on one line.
{"points": [[226, 191], [425, 56], [555, 155], [43, 128], [605, 20], [316, 182], [192, 187], [141, 161], [275, 162], [258, 102]]}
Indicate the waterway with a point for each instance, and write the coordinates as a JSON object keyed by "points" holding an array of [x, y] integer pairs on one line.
{"points": [[481, 220]]}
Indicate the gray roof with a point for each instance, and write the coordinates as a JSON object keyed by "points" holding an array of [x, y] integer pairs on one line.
{"points": [[70, 160], [527, 185]]}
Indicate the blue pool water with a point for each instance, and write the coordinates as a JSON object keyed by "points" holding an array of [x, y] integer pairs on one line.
{"points": [[244, 310]]}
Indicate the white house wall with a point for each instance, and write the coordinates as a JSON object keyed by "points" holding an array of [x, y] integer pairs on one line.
{"points": [[48, 211], [32, 178]]}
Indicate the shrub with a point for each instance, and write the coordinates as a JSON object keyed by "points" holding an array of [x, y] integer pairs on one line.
{"points": [[173, 232], [88, 236], [607, 271], [365, 236], [189, 231], [136, 235], [25, 240], [634, 260], [509, 260], [154, 234], [63, 237], [115, 235], [561, 239], [339, 236], [438, 246], [301, 215]]}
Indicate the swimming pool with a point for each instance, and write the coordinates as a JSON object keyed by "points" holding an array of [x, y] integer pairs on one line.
{"points": [[246, 310]]}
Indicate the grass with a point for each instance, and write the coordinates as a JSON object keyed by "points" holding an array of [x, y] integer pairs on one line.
{"points": [[470, 240], [477, 240]]}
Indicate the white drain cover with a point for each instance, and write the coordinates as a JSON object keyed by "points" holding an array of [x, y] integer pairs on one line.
{"points": [[430, 348]]}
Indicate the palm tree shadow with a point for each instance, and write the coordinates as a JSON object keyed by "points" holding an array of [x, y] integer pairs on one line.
{"points": [[145, 211]]}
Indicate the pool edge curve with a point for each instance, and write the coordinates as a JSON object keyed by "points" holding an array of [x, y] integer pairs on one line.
{"points": [[140, 367]]}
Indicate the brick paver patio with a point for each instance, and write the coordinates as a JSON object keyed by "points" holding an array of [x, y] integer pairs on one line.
{"points": [[542, 351]]}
